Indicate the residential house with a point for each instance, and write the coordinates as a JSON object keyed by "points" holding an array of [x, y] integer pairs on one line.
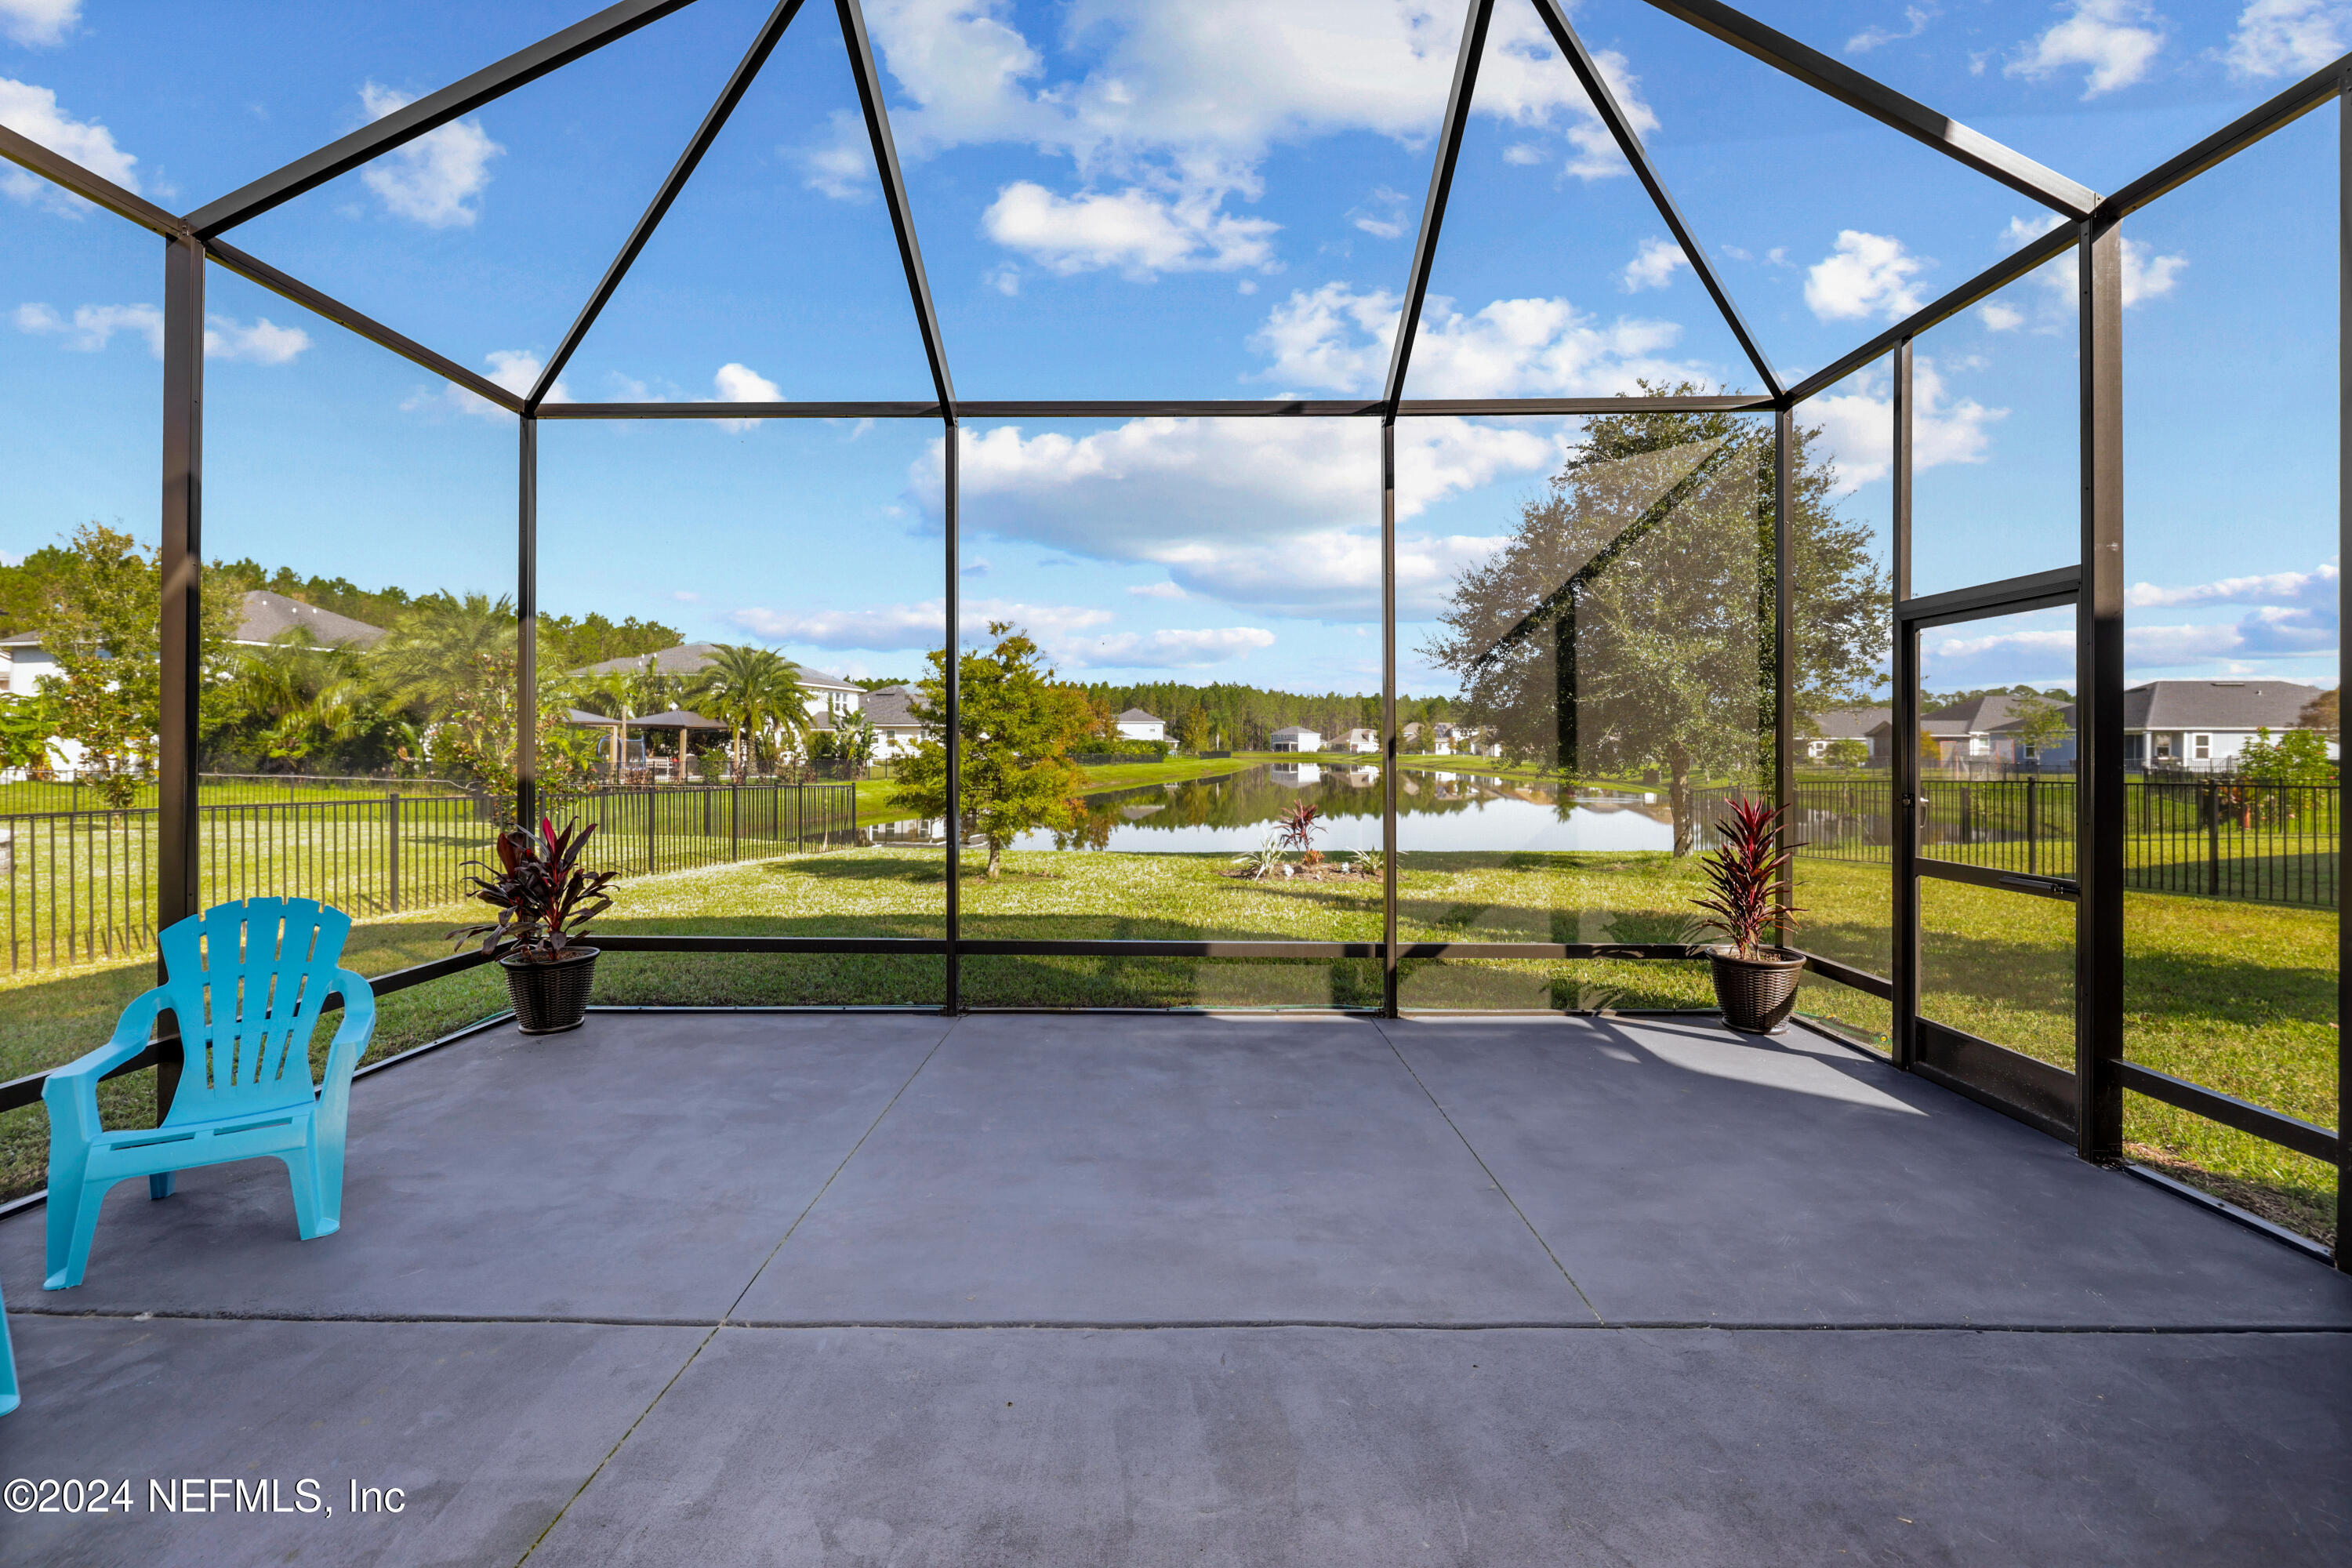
{"points": [[2201, 726], [1871, 726], [267, 616], [1295, 738], [1985, 732], [896, 731], [830, 697], [1135, 724], [1365, 742], [264, 618]]}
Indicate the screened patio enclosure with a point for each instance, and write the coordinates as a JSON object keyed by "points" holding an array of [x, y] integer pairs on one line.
{"points": [[1673, 618]]}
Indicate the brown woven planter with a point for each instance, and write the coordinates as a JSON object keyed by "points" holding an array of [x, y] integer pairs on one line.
{"points": [[1756, 995], [550, 998]]}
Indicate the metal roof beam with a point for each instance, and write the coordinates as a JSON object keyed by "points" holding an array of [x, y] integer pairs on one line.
{"points": [[428, 113], [1441, 184]]}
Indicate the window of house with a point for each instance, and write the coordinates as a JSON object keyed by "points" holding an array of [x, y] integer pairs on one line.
{"points": [[2204, 747]]}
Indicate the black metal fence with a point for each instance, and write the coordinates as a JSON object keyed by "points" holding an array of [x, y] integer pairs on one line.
{"points": [[2210, 835], [78, 886]]}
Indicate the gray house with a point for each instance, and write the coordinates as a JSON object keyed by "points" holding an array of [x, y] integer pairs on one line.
{"points": [[2201, 726]]}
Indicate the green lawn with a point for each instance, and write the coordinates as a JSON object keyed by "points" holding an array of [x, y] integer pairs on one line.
{"points": [[2235, 995]]}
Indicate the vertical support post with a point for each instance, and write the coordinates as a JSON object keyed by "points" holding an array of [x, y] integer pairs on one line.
{"points": [[179, 883], [2342, 533], [1903, 781], [1389, 963], [2099, 676], [1784, 640], [392, 849], [953, 700], [527, 627]]}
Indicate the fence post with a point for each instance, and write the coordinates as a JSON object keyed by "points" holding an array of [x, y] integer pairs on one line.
{"points": [[392, 850], [2212, 839], [2032, 827], [734, 823], [648, 796]]}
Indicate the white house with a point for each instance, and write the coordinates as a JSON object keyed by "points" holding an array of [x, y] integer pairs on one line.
{"points": [[1984, 732], [1364, 741], [1295, 738], [2201, 726], [1135, 724]]}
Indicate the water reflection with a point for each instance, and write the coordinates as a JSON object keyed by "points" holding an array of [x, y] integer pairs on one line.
{"points": [[1451, 810]]}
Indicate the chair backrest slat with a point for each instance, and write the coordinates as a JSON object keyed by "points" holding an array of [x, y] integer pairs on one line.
{"points": [[246, 980]]}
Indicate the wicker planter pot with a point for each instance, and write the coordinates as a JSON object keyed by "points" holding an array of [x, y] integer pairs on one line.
{"points": [[550, 998], [1756, 995]]}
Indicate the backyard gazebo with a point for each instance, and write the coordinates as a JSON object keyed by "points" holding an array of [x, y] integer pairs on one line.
{"points": [[1407, 1236]]}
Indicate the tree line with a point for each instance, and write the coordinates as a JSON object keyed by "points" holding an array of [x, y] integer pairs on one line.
{"points": [[1228, 716]]}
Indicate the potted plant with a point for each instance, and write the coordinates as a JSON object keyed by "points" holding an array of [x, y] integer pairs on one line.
{"points": [[1755, 986], [543, 897]]}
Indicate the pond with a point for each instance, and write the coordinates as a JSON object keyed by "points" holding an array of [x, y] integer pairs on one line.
{"points": [[1435, 810]]}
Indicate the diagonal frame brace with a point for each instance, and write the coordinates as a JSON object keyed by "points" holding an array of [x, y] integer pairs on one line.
{"points": [[771, 33], [1612, 115], [894, 193], [428, 113], [1441, 185], [1882, 103]]}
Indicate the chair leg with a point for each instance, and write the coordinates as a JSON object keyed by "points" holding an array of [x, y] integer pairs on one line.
{"points": [[159, 1185], [72, 1223], [311, 1217]]}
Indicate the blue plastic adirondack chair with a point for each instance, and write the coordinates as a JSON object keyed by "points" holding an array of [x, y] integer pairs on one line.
{"points": [[245, 982]]}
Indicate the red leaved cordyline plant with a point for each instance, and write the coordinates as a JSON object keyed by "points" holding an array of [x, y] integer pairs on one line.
{"points": [[1299, 827], [542, 895], [1743, 876]]}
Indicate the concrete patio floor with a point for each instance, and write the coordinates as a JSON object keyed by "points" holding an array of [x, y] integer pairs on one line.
{"points": [[1106, 1290]]}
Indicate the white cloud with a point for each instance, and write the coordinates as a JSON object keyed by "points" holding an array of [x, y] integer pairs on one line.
{"points": [[434, 179], [1869, 274], [263, 342], [1384, 217], [1167, 649], [1177, 107], [842, 167], [226, 338], [2147, 276], [2288, 616], [516, 370], [32, 113], [741, 384], [2116, 41], [1156, 590], [1915, 19], [1275, 513], [1858, 426], [34, 23], [1138, 232], [1073, 636], [2315, 588], [2000, 318], [94, 326], [1653, 267], [1338, 340], [2287, 37]]}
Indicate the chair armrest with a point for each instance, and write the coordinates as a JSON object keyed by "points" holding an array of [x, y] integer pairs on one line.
{"points": [[353, 1034], [70, 1093]]}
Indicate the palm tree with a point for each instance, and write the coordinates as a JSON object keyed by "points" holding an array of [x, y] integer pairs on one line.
{"points": [[304, 697], [751, 689], [437, 651]]}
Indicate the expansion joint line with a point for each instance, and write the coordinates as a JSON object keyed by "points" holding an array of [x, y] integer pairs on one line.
{"points": [[1468, 1147], [705, 1342]]}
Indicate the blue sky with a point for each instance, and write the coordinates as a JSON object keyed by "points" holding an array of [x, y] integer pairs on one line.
{"points": [[1122, 200]]}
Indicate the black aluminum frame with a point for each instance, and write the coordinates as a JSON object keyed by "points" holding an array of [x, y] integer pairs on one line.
{"points": [[2093, 1114]]}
